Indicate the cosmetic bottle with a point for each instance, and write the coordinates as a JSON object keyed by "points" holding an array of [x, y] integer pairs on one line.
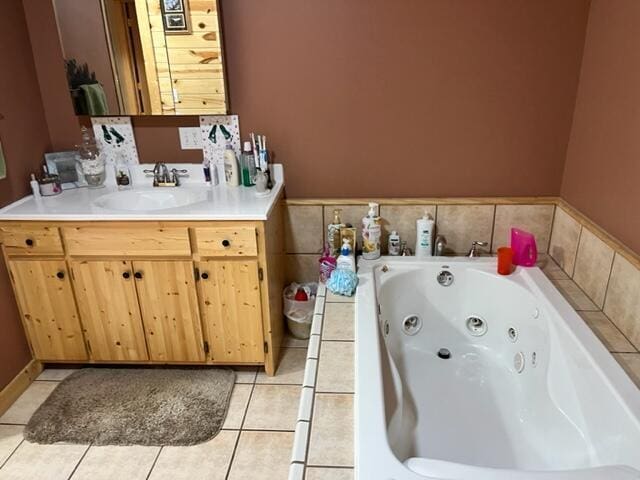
{"points": [[333, 233], [35, 186], [371, 232], [394, 244], [424, 236], [248, 165], [231, 168]]}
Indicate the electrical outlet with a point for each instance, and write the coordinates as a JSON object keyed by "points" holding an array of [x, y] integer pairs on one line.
{"points": [[190, 138]]}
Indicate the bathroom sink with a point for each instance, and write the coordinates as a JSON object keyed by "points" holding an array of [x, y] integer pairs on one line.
{"points": [[146, 200]]}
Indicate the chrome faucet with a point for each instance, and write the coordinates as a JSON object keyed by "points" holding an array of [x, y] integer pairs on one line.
{"points": [[440, 245], [475, 246], [163, 177]]}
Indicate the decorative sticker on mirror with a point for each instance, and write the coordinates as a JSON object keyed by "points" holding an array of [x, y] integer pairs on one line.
{"points": [[217, 132], [115, 138]]}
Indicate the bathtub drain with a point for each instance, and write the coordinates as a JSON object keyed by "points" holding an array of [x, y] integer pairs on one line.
{"points": [[444, 353]]}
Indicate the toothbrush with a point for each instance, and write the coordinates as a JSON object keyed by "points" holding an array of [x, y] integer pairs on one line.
{"points": [[256, 158]]}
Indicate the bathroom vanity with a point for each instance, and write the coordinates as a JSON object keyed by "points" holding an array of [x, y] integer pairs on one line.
{"points": [[198, 283]]}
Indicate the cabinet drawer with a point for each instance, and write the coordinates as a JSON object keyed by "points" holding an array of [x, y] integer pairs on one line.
{"points": [[26, 240], [145, 241], [227, 241]]}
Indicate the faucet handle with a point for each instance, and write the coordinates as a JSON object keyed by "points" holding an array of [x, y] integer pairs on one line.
{"points": [[478, 243]]}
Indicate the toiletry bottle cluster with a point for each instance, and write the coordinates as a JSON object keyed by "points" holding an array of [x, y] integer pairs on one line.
{"points": [[252, 169]]}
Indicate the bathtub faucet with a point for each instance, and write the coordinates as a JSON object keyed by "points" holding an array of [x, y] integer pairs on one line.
{"points": [[475, 247]]}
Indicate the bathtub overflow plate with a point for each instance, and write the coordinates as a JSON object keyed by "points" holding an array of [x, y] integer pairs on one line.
{"points": [[445, 278], [411, 324], [476, 326]]}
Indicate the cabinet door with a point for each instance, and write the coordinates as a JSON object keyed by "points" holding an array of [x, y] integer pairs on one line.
{"points": [[45, 297], [109, 310], [231, 309], [169, 306]]}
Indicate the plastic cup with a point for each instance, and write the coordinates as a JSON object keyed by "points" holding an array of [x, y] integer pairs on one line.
{"points": [[505, 260]]}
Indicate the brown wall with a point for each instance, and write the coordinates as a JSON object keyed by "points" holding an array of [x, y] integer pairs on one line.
{"points": [[602, 173], [371, 97], [25, 138]]}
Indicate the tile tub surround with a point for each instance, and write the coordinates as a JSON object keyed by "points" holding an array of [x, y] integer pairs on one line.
{"points": [[323, 445], [255, 441]]}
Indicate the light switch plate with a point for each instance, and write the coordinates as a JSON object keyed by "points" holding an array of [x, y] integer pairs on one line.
{"points": [[190, 138]]}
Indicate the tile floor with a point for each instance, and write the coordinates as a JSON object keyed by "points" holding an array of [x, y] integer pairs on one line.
{"points": [[309, 400], [255, 442]]}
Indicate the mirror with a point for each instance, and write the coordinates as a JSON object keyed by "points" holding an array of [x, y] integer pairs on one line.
{"points": [[142, 57]]}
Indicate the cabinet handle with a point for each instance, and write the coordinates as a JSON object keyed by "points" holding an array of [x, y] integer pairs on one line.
{"points": [[226, 243], [138, 275], [126, 275], [29, 242], [60, 275], [204, 275]]}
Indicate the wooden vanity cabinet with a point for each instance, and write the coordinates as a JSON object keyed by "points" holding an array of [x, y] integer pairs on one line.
{"points": [[45, 299], [169, 306], [150, 292], [108, 304]]}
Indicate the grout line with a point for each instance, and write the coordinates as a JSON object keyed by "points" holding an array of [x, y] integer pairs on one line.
{"points": [[12, 452], [493, 228], [606, 288], [575, 256], [14, 424], [338, 341], [155, 460], [73, 472], [235, 447]]}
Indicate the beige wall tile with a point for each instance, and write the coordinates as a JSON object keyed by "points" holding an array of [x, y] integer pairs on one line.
{"points": [[115, 462], [26, 405], [532, 218], [303, 227], [331, 440], [622, 304], [301, 268], [30, 460], [402, 218], [565, 236], [593, 266], [10, 438], [336, 368], [339, 321], [550, 268], [319, 473], [576, 297], [262, 456], [273, 407], [631, 364], [607, 332], [206, 461], [462, 224], [290, 368]]}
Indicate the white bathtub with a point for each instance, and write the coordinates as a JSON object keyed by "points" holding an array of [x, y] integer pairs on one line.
{"points": [[570, 414]]}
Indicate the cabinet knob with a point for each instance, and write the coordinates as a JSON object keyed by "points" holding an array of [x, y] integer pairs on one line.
{"points": [[226, 243], [204, 275], [29, 242], [126, 275], [60, 275], [138, 275]]}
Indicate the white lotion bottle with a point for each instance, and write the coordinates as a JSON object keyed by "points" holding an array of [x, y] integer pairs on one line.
{"points": [[35, 186], [424, 236], [371, 233], [231, 167], [394, 244]]}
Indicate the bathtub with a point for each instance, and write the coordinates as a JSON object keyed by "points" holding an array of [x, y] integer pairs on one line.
{"points": [[464, 374]]}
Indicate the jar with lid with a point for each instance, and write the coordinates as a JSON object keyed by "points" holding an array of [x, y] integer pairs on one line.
{"points": [[92, 163]]}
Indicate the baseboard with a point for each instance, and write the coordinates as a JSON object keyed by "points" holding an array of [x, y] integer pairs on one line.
{"points": [[19, 384]]}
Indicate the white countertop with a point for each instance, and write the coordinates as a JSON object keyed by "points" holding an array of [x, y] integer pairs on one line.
{"points": [[222, 203]]}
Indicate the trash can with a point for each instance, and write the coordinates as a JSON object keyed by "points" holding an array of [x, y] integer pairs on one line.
{"points": [[299, 314]]}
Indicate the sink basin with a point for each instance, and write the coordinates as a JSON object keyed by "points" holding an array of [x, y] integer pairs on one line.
{"points": [[146, 200]]}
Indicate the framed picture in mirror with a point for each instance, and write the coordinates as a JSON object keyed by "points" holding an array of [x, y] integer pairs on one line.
{"points": [[175, 17]]}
